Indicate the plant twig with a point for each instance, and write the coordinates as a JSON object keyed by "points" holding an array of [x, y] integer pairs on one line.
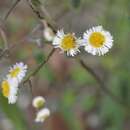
{"points": [[31, 87], [101, 83], [11, 9], [33, 73], [6, 51], [42, 13], [4, 37]]}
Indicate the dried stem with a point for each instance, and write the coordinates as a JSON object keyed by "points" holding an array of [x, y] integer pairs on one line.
{"points": [[11, 9], [4, 37], [33, 73], [42, 13], [6, 51], [101, 83], [31, 87]]}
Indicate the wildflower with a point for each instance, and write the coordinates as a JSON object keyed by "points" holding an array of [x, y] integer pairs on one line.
{"points": [[67, 43], [42, 115], [97, 41], [18, 71], [9, 89], [48, 34], [38, 102]]}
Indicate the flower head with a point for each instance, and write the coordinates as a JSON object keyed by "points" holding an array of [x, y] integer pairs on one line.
{"points": [[42, 115], [38, 102], [67, 43], [18, 71], [48, 34], [9, 89], [97, 41]]}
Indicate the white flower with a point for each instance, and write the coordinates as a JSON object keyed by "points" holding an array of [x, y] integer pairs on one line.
{"points": [[97, 41], [9, 89], [18, 71], [48, 34], [67, 43], [38, 102], [42, 115]]}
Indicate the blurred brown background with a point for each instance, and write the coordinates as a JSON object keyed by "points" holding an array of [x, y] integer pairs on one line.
{"points": [[72, 95]]}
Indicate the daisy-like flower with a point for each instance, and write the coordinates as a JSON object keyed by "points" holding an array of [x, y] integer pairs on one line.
{"points": [[67, 43], [18, 71], [9, 89], [97, 41], [38, 102], [42, 115]]}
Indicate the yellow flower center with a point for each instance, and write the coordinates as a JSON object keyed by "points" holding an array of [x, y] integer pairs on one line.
{"points": [[39, 103], [43, 117], [15, 72], [68, 42], [5, 88], [97, 39]]}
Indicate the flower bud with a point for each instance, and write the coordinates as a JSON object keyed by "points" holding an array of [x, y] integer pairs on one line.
{"points": [[38, 102]]}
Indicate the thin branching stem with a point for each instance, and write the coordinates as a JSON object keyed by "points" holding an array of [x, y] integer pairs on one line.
{"points": [[42, 14], [101, 83], [33, 73], [11, 9], [4, 37]]}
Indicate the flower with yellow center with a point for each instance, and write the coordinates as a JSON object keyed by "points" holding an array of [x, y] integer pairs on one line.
{"points": [[18, 71], [38, 102], [5, 88], [42, 115], [9, 89], [67, 43], [97, 41]]}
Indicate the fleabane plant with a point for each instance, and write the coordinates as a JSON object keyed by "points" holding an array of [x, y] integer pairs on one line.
{"points": [[68, 43], [97, 41], [9, 89], [11, 83], [18, 71]]}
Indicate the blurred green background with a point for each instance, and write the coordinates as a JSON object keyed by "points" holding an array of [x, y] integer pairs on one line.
{"points": [[73, 96]]}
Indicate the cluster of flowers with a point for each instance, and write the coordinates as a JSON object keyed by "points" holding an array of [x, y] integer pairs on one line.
{"points": [[38, 102], [95, 40], [11, 83]]}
